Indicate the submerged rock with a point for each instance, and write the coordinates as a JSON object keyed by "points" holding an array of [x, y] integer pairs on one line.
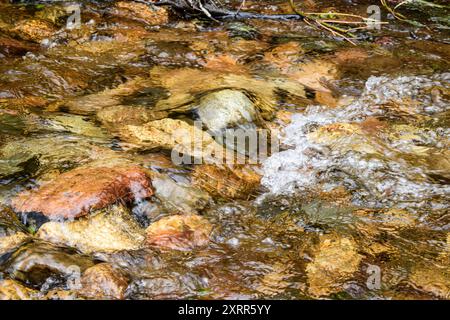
{"points": [[224, 109], [176, 135], [76, 192], [11, 123], [34, 30], [431, 278], [75, 124], [12, 47], [179, 232], [121, 115], [187, 84], [12, 232], [17, 166], [179, 197], [51, 152], [102, 281], [107, 230], [335, 262], [37, 262], [143, 12], [237, 182], [14, 290]]}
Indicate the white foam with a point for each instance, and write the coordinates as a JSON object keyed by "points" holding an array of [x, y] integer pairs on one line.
{"points": [[389, 178]]}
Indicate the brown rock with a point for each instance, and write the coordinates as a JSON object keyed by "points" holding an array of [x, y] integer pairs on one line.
{"points": [[102, 281], [76, 192], [113, 116], [179, 232], [228, 182], [11, 46]]}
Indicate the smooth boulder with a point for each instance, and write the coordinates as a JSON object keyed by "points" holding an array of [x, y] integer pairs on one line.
{"points": [[108, 230]]}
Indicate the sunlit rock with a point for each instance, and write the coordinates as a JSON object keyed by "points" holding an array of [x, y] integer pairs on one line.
{"points": [[432, 278], [92, 103], [14, 290], [179, 232], [107, 230], [74, 124], [140, 11], [391, 218], [34, 30], [335, 262], [342, 136], [58, 294], [121, 115], [233, 182], [77, 192], [102, 281], [290, 60], [17, 165], [177, 135]]}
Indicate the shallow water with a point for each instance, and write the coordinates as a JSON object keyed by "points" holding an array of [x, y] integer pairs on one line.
{"points": [[361, 179]]}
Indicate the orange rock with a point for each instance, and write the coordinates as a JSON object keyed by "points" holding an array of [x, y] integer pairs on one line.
{"points": [[284, 55], [25, 102], [34, 30], [179, 232], [134, 10], [102, 281], [351, 55], [75, 193], [224, 63]]}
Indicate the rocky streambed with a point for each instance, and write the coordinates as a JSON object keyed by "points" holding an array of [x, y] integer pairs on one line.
{"points": [[120, 177]]}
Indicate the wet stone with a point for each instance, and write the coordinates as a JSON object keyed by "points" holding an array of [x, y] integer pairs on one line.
{"points": [[175, 135], [335, 262], [12, 232], [14, 290], [233, 182], [179, 197], [108, 230], [225, 109], [34, 30], [76, 192], [432, 278], [103, 281], [179, 232], [121, 115], [37, 262]]}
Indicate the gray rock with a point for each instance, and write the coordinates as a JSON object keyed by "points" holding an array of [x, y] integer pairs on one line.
{"points": [[224, 109]]}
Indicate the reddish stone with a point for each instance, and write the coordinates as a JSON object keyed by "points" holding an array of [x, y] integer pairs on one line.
{"points": [[75, 193], [11, 46]]}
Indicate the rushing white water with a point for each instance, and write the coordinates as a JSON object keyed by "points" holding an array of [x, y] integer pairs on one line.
{"points": [[398, 165]]}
